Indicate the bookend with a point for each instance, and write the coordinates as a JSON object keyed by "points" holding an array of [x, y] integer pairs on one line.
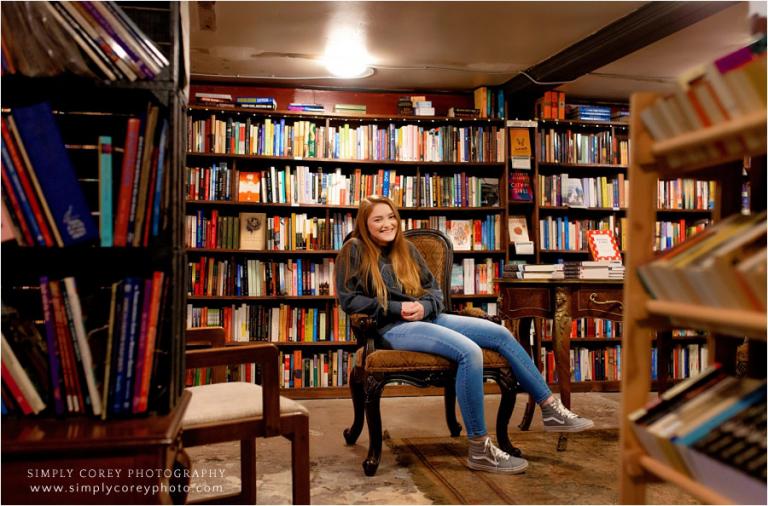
{"points": [[375, 368]]}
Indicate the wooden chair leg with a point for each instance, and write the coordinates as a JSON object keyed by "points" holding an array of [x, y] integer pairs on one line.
{"points": [[373, 417], [507, 385], [358, 405], [248, 471], [450, 408], [300, 460]]}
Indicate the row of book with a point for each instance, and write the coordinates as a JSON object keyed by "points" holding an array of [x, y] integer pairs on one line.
{"points": [[95, 39], [490, 102], [300, 185], [564, 233], [475, 276], [209, 183], [551, 105], [590, 192], [586, 364], [577, 147], [686, 194], [586, 328], [730, 88], [588, 112], [723, 266], [668, 234], [712, 428], [62, 373], [465, 235], [330, 369], [242, 277], [278, 323], [306, 139], [226, 100], [257, 231]]}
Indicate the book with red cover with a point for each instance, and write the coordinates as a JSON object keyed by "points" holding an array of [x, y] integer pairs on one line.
{"points": [[602, 245]]}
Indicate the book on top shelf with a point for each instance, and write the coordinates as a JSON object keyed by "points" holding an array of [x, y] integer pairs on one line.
{"points": [[602, 245]]}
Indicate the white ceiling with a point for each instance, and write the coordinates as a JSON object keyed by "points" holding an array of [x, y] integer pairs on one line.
{"points": [[443, 45]]}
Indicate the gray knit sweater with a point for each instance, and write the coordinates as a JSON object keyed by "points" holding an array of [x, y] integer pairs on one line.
{"points": [[356, 296]]}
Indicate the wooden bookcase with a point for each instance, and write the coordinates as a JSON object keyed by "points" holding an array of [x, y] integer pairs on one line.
{"points": [[84, 109], [237, 163], [551, 159], [643, 315]]}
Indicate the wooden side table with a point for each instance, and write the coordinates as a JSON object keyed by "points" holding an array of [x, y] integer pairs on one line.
{"points": [[89, 461], [561, 300]]}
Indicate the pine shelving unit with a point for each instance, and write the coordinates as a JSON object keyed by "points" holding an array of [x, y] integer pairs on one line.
{"points": [[642, 315], [242, 162]]}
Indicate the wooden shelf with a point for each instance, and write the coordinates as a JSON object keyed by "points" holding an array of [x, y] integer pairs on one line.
{"points": [[696, 489], [413, 163], [341, 116], [755, 121], [463, 296], [322, 207], [580, 122], [572, 165], [233, 298], [259, 252], [738, 322]]}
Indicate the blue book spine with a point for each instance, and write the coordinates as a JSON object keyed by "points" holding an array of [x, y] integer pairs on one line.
{"points": [[131, 342], [385, 184], [105, 190], [299, 277], [53, 349], [157, 201]]}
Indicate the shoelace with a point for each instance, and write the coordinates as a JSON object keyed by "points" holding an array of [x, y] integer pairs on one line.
{"points": [[497, 453], [562, 410]]}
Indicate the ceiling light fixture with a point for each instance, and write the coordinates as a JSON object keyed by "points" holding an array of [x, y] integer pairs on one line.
{"points": [[345, 55]]}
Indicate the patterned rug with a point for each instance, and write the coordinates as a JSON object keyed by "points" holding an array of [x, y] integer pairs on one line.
{"points": [[586, 473]]}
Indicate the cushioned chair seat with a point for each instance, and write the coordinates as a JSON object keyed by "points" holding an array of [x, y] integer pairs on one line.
{"points": [[220, 402], [395, 360]]}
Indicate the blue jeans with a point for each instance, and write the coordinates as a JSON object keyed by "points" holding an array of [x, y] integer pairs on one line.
{"points": [[460, 339]]}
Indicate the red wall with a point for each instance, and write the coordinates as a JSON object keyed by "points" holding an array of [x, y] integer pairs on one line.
{"points": [[376, 102]]}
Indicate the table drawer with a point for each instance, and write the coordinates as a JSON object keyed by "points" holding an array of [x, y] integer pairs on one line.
{"points": [[600, 302], [526, 302]]}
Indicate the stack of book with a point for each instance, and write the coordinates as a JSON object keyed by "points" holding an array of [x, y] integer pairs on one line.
{"points": [[214, 99], [732, 87], [551, 105], [588, 112], [711, 427], [463, 112], [405, 106], [589, 269], [108, 40], [490, 101], [265, 103], [294, 106], [349, 108], [422, 106], [534, 271], [721, 266]]}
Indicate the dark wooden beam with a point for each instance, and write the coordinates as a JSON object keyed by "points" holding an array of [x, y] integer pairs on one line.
{"points": [[646, 25]]}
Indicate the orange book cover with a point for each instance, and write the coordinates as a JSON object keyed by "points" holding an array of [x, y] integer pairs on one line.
{"points": [[602, 245]]}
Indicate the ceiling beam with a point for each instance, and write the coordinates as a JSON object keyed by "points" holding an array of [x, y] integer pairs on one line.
{"points": [[646, 25]]}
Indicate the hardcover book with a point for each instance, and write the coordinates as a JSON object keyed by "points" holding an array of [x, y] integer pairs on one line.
{"points": [[253, 231]]}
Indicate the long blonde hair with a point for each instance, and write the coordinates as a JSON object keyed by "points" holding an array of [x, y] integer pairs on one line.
{"points": [[404, 266]]}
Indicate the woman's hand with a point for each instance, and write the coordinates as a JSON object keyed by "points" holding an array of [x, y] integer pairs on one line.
{"points": [[412, 311]]}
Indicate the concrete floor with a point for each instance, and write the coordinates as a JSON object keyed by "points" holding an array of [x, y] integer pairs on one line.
{"points": [[337, 476]]}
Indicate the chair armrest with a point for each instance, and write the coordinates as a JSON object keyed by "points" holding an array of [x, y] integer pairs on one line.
{"points": [[476, 312], [264, 354], [205, 337], [364, 329]]}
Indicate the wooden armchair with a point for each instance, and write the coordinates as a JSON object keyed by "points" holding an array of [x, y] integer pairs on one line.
{"points": [[375, 367], [239, 411]]}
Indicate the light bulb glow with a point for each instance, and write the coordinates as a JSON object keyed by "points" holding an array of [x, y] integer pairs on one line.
{"points": [[346, 56]]}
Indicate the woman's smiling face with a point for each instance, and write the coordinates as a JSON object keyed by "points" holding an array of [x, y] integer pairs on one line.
{"points": [[382, 224]]}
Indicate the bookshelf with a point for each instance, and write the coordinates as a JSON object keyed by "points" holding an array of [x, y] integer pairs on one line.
{"points": [[83, 109], [433, 187], [728, 327]]}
